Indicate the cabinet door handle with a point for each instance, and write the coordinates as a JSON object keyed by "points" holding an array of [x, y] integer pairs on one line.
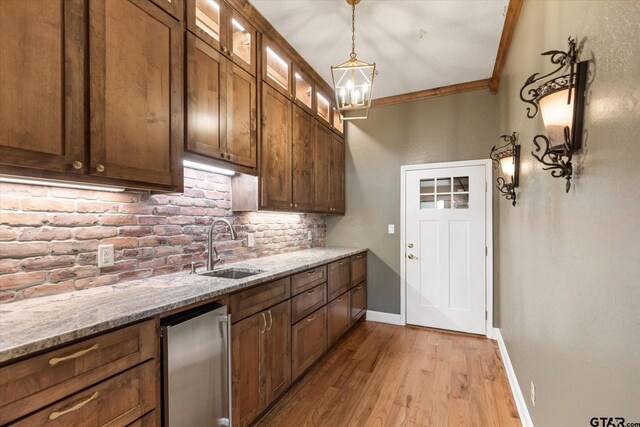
{"points": [[340, 262], [309, 273], [340, 299], [55, 360], [58, 414], [359, 287], [264, 319], [77, 164], [100, 167], [311, 319], [311, 292], [270, 320]]}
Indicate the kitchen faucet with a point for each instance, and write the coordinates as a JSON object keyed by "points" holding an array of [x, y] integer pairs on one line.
{"points": [[212, 253]]}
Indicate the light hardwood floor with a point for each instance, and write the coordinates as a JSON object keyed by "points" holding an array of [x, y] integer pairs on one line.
{"points": [[384, 375]]}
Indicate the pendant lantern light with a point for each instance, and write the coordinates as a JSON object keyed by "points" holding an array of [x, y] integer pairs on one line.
{"points": [[353, 79]]}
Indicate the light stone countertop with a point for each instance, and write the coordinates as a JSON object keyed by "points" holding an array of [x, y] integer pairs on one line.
{"points": [[36, 324]]}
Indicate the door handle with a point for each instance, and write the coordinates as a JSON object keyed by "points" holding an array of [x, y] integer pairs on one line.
{"points": [[270, 321], [263, 319], [412, 256]]}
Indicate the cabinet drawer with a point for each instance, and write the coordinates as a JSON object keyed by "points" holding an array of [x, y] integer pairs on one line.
{"points": [[358, 268], [338, 278], [358, 301], [245, 303], [149, 420], [308, 279], [308, 302], [338, 317], [117, 401], [308, 341], [36, 382]]}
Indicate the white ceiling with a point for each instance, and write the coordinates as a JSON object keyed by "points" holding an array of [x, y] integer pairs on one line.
{"points": [[459, 42]]}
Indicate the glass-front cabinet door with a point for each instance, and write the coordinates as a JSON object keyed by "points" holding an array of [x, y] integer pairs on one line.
{"points": [[276, 68], [303, 90], [336, 121], [324, 108], [206, 18], [242, 41]]}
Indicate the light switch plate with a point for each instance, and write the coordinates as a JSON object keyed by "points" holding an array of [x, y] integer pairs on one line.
{"points": [[392, 228], [105, 255], [250, 240]]}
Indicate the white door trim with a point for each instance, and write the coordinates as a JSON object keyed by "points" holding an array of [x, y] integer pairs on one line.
{"points": [[488, 237]]}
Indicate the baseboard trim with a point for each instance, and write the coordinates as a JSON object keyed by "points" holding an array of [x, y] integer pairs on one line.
{"points": [[523, 411], [382, 317]]}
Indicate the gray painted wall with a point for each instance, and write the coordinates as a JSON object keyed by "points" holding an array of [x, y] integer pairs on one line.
{"points": [[569, 264], [457, 127]]}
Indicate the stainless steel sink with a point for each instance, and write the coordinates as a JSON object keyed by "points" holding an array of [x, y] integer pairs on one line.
{"points": [[231, 273]]}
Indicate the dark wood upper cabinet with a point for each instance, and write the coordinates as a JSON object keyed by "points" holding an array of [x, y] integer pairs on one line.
{"points": [[302, 159], [276, 68], [241, 113], [275, 168], [136, 93], [322, 153], [304, 90], [42, 101], [337, 175], [337, 123], [206, 127], [173, 7], [242, 44]]}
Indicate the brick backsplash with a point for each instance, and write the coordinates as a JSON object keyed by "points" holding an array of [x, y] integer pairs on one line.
{"points": [[49, 236]]}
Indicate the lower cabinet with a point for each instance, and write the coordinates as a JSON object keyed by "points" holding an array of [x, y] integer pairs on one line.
{"points": [[358, 301], [338, 317], [308, 341], [261, 361]]}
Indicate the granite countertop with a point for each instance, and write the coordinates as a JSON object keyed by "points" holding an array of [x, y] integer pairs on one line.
{"points": [[32, 325]]}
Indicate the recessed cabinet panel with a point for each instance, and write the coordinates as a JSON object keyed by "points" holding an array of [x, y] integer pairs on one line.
{"points": [[276, 150], [303, 91], [321, 168], [324, 108], [136, 88], [42, 101], [205, 106], [302, 160], [241, 140]]}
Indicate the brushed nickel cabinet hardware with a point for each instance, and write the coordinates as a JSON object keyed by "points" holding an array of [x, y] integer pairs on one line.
{"points": [[311, 319], [340, 299], [410, 245], [55, 360], [309, 273], [77, 164], [100, 167], [58, 414], [264, 319], [270, 320], [311, 292], [412, 256]]}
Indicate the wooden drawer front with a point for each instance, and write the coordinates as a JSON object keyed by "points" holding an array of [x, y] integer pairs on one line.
{"points": [[338, 279], [358, 268], [245, 303], [149, 420], [308, 341], [308, 302], [338, 317], [358, 301], [308, 279], [38, 381], [117, 401]]}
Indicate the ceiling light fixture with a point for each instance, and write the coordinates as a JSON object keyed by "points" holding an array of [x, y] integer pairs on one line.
{"points": [[63, 184], [353, 80], [560, 98]]}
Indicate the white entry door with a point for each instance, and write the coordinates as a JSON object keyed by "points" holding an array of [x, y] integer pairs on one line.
{"points": [[445, 248]]}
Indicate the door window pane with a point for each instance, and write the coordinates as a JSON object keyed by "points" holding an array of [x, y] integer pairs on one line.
{"points": [[443, 201], [337, 121], [324, 109], [277, 69], [444, 185], [208, 17], [460, 183], [427, 202], [427, 186], [303, 90], [241, 44], [460, 201]]}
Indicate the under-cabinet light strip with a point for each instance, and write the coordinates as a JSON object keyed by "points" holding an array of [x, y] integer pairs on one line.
{"points": [[204, 167], [64, 184]]}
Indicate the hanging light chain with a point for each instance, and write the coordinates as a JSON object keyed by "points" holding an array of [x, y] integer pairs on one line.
{"points": [[353, 29]]}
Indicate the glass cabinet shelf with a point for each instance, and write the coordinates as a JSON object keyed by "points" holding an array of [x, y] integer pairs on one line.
{"points": [[277, 69]]}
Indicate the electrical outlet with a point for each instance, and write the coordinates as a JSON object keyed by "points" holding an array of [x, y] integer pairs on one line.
{"points": [[533, 393], [310, 235], [105, 255], [250, 240], [391, 228]]}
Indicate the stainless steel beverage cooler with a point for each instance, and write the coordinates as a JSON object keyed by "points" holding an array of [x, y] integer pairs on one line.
{"points": [[196, 363]]}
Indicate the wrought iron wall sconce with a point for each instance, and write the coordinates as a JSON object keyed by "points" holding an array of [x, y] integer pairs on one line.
{"points": [[507, 158], [560, 98]]}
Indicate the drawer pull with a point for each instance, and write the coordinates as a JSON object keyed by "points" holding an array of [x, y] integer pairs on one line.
{"points": [[340, 262], [340, 299], [359, 256], [58, 414], [311, 319], [311, 292], [359, 287], [56, 360], [309, 273]]}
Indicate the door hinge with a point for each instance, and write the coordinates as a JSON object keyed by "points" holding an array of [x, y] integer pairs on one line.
{"points": [[486, 251], [486, 187], [486, 315]]}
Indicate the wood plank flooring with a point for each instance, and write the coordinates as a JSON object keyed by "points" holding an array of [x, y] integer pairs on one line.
{"points": [[385, 375]]}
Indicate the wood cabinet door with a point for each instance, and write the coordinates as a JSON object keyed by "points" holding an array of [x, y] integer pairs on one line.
{"points": [[337, 175], [242, 41], [247, 349], [173, 7], [302, 159], [308, 341], [276, 67], [206, 127], [338, 278], [358, 268], [322, 150], [42, 101], [277, 351], [207, 19], [338, 317], [136, 93], [358, 301], [242, 136], [275, 150]]}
